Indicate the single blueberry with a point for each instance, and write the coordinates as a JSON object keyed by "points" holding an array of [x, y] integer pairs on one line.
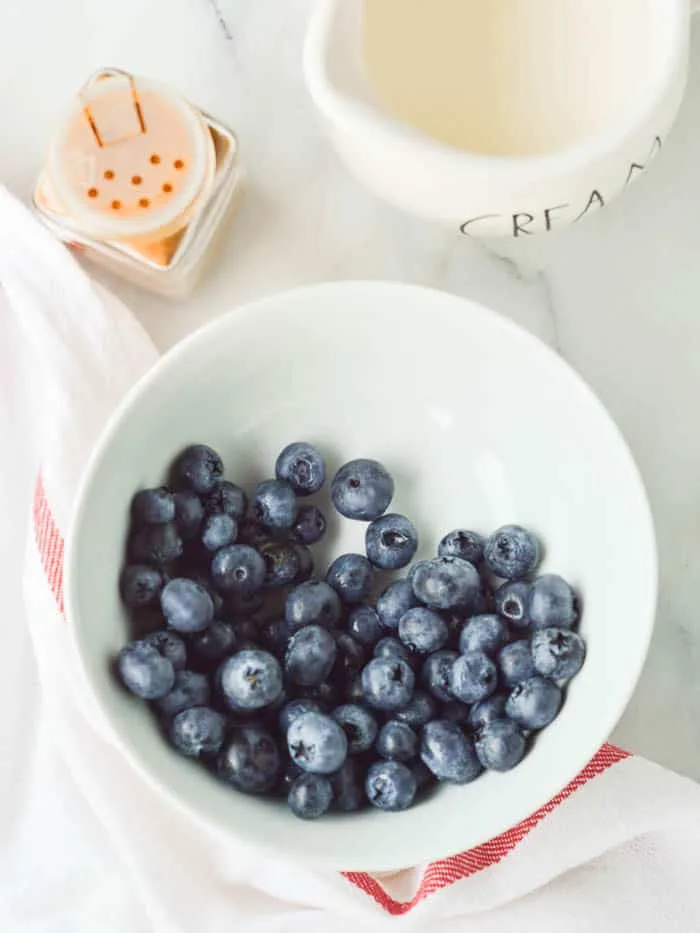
{"points": [[487, 710], [310, 796], [358, 724], [189, 689], [140, 585], [513, 602], [153, 506], [293, 710], [388, 683], [446, 582], [393, 648], [250, 760], [155, 544], [171, 646], [145, 671], [351, 576], [534, 703], [364, 625], [454, 711], [487, 633], [310, 655], [350, 657], [512, 552], [186, 605], [390, 785], [197, 732], [306, 563], [310, 525], [557, 653], [473, 677], [395, 602], [515, 663], [391, 541], [275, 505], [189, 513], [348, 787], [238, 569], [250, 680], [362, 489], [448, 753], [397, 741], [303, 467], [552, 603], [281, 563], [435, 674], [499, 745], [218, 530], [317, 743], [420, 709], [422, 630], [216, 642], [313, 602], [461, 543], [198, 468], [227, 498]]}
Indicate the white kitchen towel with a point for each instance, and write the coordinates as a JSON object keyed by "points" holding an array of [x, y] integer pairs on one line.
{"points": [[88, 848]]}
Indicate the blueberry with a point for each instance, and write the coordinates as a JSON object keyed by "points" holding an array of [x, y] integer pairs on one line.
{"points": [[198, 468], [218, 530], [512, 552], [388, 683], [238, 569], [474, 677], [534, 703], [275, 505], [293, 710], [310, 796], [448, 753], [422, 630], [364, 625], [144, 671], [313, 602], [310, 525], [350, 657], [500, 745], [435, 674], [275, 636], [303, 467], [306, 563], [461, 543], [552, 603], [215, 642], [348, 787], [153, 506], [189, 513], [362, 489], [244, 605], [250, 760], [351, 576], [395, 602], [189, 689], [197, 732], [317, 743], [420, 709], [228, 499], [487, 710], [446, 582], [310, 655], [171, 646], [391, 541], [485, 633], [513, 602], [557, 653], [250, 680], [454, 711], [397, 741], [390, 785], [245, 630], [253, 533], [281, 563], [358, 724], [393, 648], [515, 663], [155, 544], [140, 585], [186, 605]]}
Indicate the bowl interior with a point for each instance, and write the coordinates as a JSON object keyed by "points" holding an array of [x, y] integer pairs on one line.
{"points": [[479, 423]]}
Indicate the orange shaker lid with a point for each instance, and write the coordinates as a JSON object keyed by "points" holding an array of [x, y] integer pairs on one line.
{"points": [[130, 159]]}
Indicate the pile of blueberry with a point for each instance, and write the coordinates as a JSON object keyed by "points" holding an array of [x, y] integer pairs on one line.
{"points": [[317, 690]]}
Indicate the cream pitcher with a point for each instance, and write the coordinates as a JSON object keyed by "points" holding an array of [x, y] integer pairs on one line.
{"points": [[498, 118]]}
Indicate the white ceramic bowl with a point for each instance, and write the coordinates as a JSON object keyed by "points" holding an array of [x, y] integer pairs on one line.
{"points": [[480, 423]]}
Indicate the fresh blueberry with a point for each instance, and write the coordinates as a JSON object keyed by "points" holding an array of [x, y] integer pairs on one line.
{"points": [[461, 543], [512, 552], [487, 710], [350, 657], [313, 602], [153, 506], [197, 732], [391, 541], [395, 602], [558, 653], [388, 683], [552, 603], [303, 467], [171, 646], [448, 753], [145, 671], [310, 655], [281, 563], [358, 724], [244, 605], [485, 633], [250, 760], [306, 563], [310, 525], [239, 569], [392, 648], [310, 796], [198, 468], [275, 635], [140, 585], [534, 703], [317, 743], [397, 741], [216, 642], [218, 530], [499, 745], [253, 533], [250, 680], [362, 489], [474, 677], [351, 576], [513, 602], [446, 582], [293, 710], [364, 625], [189, 513], [422, 630], [390, 785], [420, 709], [227, 498], [246, 630], [515, 663], [275, 505], [155, 544], [435, 674], [348, 787], [186, 605], [189, 689], [455, 712]]}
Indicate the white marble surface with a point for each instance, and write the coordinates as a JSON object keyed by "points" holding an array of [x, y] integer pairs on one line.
{"points": [[619, 295]]}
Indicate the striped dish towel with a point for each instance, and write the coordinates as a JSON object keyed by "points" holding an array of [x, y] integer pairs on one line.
{"points": [[91, 849]]}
